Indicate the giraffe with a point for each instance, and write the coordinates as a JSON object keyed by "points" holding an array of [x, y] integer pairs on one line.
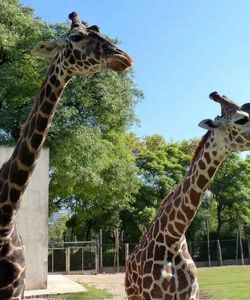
{"points": [[83, 50], [160, 267]]}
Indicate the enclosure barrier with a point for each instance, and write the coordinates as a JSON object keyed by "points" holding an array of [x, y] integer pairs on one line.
{"points": [[94, 257]]}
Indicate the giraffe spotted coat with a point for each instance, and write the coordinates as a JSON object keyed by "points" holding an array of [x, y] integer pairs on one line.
{"points": [[160, 267]]}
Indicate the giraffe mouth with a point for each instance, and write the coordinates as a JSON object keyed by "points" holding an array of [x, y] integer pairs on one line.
{"points": [[119, 62]]}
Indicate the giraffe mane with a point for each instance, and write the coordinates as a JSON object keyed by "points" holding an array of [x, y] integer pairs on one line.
{"points": [[200, 146]]}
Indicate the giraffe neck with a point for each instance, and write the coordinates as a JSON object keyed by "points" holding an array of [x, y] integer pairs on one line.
{"points": [[15, 173], [176, 214]]}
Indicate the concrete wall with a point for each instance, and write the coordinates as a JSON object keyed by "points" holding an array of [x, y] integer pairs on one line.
{"points": [[33, 221]]}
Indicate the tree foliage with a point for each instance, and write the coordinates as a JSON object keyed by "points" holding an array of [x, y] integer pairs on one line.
{"points": [[58, 229], [20, 74], [95, 180], [230, 190], [161, 166]]}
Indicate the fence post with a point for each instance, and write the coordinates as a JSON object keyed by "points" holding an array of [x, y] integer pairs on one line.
{"points": [[208, 246], [67, 259], [248, 246], [117, 248], [100, 247], [52, 258], [241, 247], [126, 253], [236, 248], [219, 255], [82, 257], [97, 258]]}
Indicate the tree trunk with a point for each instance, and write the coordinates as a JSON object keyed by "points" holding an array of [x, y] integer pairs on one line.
{"points": [[237, 247], [241, 247], [219, 255], [220, 223], [88, 231]]}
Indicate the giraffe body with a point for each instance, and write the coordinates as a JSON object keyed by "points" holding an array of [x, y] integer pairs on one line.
{"points": [[161, 267], [84, 50], [172, 267]]}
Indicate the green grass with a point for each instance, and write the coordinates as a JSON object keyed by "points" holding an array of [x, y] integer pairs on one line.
{"points": [[227, 283], [91, 293]]}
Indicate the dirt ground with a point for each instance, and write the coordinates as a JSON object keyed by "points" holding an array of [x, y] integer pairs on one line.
{"points": [[114, 283]]}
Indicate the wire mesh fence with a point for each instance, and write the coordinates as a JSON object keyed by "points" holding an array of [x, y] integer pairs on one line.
{"points": [[95, 257], [73, 256]]}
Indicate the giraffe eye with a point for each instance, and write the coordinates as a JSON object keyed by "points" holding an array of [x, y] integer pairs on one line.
{"points": [[242, 121], [76, 38]]}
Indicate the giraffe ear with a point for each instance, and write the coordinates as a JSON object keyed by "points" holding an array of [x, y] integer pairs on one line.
{"points": [[208, 124], [48, 49]]}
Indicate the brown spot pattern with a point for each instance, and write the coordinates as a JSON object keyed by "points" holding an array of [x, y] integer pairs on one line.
{"points": [[202, 181], [147, 281], [211, 171], [207, 157], [156, 292], [195, 197], [159, 252]]}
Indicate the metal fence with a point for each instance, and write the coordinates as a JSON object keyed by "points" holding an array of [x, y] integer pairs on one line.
{"points": [[200, 250], [75, 256], [92, 257]]}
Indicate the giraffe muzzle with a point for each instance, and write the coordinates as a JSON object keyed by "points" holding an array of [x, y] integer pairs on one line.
{"points": [[119, 61]]}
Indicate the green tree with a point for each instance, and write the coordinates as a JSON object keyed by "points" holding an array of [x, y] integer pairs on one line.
{"points": [[20, 74], [58, 229], [103, 100], [197, 230], [230, 189], [162, 165], [95, 179]]}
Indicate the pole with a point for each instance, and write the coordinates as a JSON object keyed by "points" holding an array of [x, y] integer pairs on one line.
{"points": [[208, 245], [126, 253], [67, 253], [97, 259], [101, 250], [241, 247], [248, 246], [220, 261], [117, 247], [52, 266], [82, 257], [237, 247]]}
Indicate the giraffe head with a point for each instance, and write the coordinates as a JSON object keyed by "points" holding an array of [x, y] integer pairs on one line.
{"points": [[84, 50], [232, 128]]}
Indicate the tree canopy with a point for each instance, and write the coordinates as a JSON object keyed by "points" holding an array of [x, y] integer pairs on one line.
{"points": [[161, 166], [230, 190]]}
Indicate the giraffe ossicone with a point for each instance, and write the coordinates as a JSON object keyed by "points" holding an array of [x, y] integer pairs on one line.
{"points": [[160, 267], [81, 51]]}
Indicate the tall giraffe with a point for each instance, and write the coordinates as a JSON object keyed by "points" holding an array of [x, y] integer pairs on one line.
{"points": [[161, 267], [83, 50]]}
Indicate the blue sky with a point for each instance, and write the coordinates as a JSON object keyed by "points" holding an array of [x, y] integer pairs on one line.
{"points": [[182, 51]]}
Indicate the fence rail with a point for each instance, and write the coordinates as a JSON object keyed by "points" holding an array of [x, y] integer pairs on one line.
{"points": [[94, 257]]}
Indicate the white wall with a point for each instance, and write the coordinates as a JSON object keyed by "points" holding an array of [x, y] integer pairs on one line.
{"points": [[33, 221]]}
